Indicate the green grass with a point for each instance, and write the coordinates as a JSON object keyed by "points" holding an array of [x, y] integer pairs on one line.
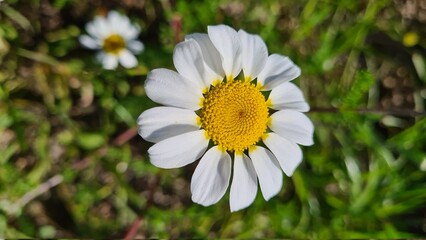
{"points": [[63, 117]]}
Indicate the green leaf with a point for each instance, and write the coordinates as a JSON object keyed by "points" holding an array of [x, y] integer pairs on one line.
{"points": [[90, 141], [355, 97]]}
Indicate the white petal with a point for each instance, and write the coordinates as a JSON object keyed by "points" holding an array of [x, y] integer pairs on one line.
{"points": [[121, 24], [188, 61], [109, 61], [117, 22], [127, 59], [100, 55], [99, 27], [92, 29], [89, 42], [135, 46], [288, 96], [278, 69], [159, 123], [132, 31], [288, 153], [293, 126], [114, 17], [244, 183], [212, 60], [211, 177], [179, 151], [254, 54], [268, 171], [129, 31], [169, 88], [228, 44]]}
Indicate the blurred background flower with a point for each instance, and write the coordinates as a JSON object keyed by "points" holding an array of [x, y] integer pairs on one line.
{"points": [[115, 36]]}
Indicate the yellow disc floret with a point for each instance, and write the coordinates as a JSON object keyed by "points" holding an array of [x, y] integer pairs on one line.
{"points": [[234, 115], [113, 44]]}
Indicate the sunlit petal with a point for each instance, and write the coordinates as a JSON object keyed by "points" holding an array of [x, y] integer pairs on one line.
{"points": [[228, 44], [293, 125], [179, 151], [159, 123], [287, 153], [268, 171], [278, 69], [254, 54], [244, 183], [211, 177], [188, 60], [213, 63], [288, 96], [169, 88]]}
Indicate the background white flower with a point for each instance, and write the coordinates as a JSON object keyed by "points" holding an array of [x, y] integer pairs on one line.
{"points": [[116, 38], [205, 103]]}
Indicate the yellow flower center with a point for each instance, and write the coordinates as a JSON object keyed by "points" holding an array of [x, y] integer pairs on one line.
{"points": [[114, 44], [234, 115]]}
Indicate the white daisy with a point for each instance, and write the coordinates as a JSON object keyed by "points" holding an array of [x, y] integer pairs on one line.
{"points": [[212, 114], [116, 38]]}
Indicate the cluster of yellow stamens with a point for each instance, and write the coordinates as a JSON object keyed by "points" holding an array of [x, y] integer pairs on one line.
{"points": [[234, 115], [113, 44]]}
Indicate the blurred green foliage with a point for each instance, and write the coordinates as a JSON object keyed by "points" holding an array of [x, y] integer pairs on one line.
{"points": [[63, 117]]}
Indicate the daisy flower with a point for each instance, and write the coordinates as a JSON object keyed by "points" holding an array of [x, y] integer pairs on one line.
{"points": [[116, 38], [215, 108]]}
